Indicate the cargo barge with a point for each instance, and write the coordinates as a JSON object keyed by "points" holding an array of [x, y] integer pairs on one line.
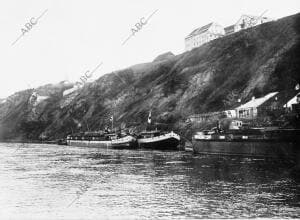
{"points": [[102, 140], [258, 142]]}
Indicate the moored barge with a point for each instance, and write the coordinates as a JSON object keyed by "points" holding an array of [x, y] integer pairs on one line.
{"points": [[102, 140], [260, 142], [159, 140]]}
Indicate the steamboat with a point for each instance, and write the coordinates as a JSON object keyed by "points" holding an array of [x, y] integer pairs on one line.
{"points": [[158, 140]]}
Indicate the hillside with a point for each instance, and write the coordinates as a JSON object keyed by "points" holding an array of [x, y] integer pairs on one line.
{"points": [[251, 62]]}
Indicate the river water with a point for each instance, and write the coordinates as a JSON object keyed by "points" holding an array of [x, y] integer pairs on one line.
{"points": [[61, 182]]}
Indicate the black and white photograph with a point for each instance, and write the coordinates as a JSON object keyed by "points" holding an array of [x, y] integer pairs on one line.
{"points": [[146, 110]]}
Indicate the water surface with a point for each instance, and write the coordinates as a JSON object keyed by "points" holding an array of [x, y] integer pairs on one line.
{"points": [[61, 182]]}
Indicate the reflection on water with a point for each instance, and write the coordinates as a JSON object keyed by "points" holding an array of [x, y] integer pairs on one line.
{"points": [[62, 182]]}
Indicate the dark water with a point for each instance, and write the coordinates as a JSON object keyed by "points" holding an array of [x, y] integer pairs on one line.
{"points": [[62, 182]]}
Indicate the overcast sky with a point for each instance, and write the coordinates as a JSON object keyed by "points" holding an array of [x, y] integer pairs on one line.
{"points": [[74, 36]]}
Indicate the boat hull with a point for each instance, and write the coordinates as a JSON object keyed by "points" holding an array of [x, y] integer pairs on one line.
{"points": [[127, 142], [168, 141], [258, 148], [86, 143]]}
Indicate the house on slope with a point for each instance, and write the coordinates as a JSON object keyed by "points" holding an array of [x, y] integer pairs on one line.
{"points": [[253, 108], [203, 35], [293, 102], [246, 21]]}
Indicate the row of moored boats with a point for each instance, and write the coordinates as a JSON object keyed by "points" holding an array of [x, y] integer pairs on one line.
{"points": [[104, 139], [269, 142]]}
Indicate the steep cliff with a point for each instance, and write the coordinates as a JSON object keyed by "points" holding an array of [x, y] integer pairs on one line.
{"points": [[251, 62]]}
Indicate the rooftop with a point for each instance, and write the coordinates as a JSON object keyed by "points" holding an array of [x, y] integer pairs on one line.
{"points": [[200, 30], [257, 102], [252, 18], [292, 101]]}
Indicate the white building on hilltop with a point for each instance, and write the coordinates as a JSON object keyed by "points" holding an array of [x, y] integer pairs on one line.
{"points": [[203, 35], [246, 21]]}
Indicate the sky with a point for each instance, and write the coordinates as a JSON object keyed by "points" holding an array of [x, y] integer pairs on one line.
{"points": [[75, 36]]}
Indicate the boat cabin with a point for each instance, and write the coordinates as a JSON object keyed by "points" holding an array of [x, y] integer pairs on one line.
{"points": [[235, 125], [93, 136]]}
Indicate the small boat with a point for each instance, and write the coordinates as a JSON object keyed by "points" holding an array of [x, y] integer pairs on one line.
{"points": [[159, 140]]}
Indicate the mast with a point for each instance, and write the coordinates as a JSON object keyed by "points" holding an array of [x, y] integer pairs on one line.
{"points": [[149, 121], [112, 116], [112, 122], [149, 117]]}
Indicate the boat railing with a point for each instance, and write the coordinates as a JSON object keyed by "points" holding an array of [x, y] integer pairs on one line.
{"points": [[170, 134], [230, 137]]}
